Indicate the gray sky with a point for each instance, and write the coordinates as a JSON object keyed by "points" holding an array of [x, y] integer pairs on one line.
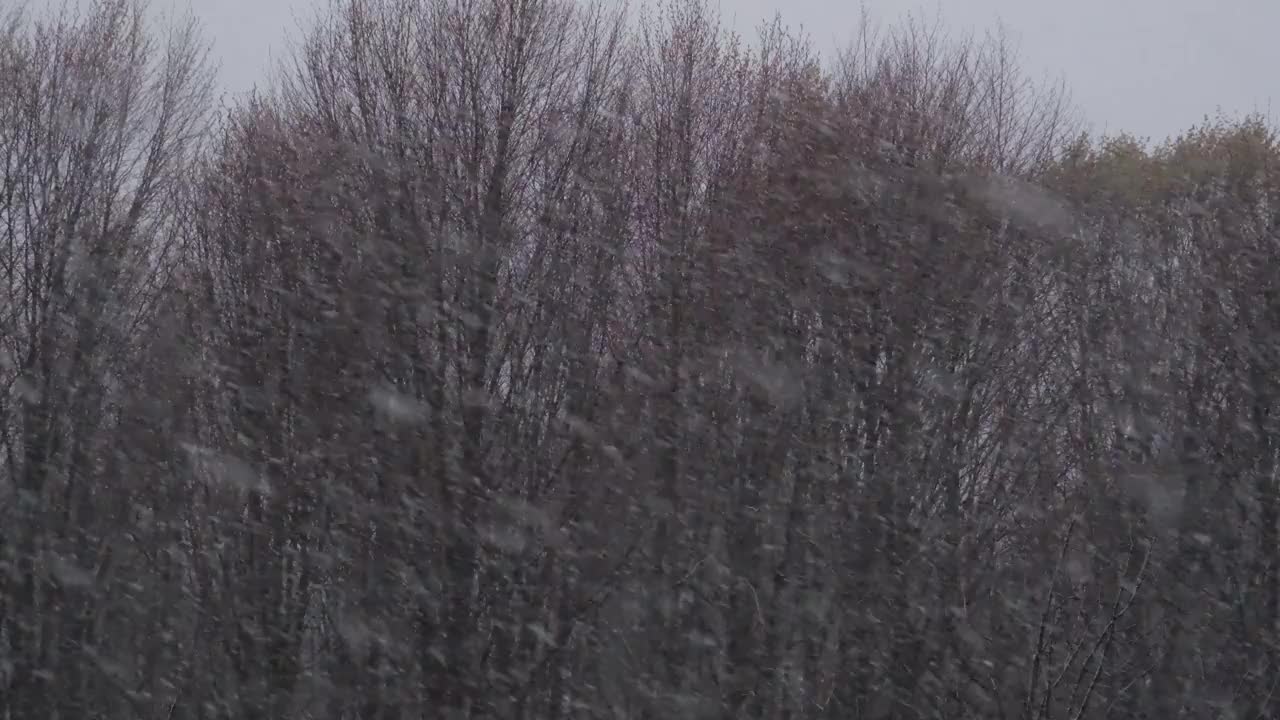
{"points": [[1151, 67]]}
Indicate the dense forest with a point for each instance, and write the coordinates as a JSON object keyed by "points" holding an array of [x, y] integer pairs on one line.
{"points": [[540, 359]]}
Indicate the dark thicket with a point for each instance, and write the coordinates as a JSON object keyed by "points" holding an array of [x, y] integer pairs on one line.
{"points": [[526, 359]]}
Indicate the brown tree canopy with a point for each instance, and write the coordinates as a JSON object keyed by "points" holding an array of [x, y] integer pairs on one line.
{"points": [[540, 359]]}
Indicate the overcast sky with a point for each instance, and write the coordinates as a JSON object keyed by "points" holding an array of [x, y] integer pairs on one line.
{"points": [[1151, 67]]}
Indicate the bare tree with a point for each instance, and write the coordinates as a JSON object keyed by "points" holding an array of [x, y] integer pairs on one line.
{"points": [[101, 117], [533, 359]]}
